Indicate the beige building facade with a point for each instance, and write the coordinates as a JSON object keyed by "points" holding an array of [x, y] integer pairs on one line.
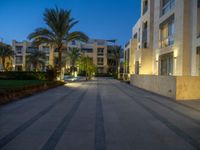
{"points": [[167, 46], [24, 49], [96, 49]]}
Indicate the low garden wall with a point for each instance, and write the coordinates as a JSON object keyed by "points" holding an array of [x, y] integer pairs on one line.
{"points": [[176, 87]]}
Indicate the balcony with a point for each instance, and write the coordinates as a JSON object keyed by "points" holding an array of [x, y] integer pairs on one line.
{"points": [[145, 9], [19, 49], [45, 50], [31, 49], [167, 7], [18, 60], [87, 50], [100, 54], [100, 63], [168, 41], [145, 6]]}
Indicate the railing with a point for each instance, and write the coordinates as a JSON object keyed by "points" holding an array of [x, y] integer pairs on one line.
{"points": [[167, 41], [100, 63], [18, 61], [100, 54], [18, 51], [45, 50], [167, 7], [145, 8], [144, 36]]}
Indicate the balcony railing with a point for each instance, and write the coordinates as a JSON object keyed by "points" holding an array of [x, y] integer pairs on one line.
{"points": [[144, 36], [165, 42], [18, 61], [145, 8], [18, 51], [100, 54], [167, 7], [100, 63]]}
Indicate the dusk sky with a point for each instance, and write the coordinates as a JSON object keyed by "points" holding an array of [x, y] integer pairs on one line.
{"points": [[104, 19]]}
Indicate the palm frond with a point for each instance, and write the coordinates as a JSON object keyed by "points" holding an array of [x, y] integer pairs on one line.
{"points": [[77, 36]]}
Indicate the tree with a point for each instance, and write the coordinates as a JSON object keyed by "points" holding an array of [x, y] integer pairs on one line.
{"points": [[86, 65], [115, 54], [73, 55], [37, 59], [5, 52], [59, 24]]}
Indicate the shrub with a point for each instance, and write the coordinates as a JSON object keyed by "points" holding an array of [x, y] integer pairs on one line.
{"points": [[22, 75]]}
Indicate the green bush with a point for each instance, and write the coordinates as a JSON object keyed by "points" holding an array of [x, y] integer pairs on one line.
{"points": [[22, 75]]}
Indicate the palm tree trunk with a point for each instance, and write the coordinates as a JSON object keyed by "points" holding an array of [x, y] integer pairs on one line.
{"points": [[3, 63], [60, 60]]}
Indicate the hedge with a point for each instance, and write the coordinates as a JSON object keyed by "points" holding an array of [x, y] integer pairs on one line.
{"points": [[17, 93], [23, 75]]}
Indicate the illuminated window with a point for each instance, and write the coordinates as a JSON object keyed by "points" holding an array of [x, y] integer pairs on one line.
{"points": [[166, 64], [167, 32]]}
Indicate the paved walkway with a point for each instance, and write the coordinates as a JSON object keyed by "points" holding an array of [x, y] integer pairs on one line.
{"points": [[103, 114]]}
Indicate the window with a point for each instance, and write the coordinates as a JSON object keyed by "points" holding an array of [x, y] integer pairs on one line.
{"points": [[166, 5], [18, 59], [45, 49], [100, 51], [166, 64], [145, 6], [47, 60], [73, 42], [87, 50], [135, 36], [144, 35], [139, 35], [198, 3], [31, 49], [167, 32], [100, 61], [19, 49]]}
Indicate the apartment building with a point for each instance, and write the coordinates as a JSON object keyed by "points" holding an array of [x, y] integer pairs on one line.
{"points": [[23, 49], [167, 48], [98, 50]]}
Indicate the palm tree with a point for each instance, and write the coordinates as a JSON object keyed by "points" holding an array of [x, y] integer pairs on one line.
{"points": [[73, 55], [115, 54], [37, 59], [59, 24], [5, 52]]}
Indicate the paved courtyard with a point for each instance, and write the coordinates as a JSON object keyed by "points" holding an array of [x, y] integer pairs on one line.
{"points": [[103, 114]]}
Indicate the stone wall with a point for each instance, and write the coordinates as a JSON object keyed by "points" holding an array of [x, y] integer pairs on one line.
{"points": [[180, 88]]}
